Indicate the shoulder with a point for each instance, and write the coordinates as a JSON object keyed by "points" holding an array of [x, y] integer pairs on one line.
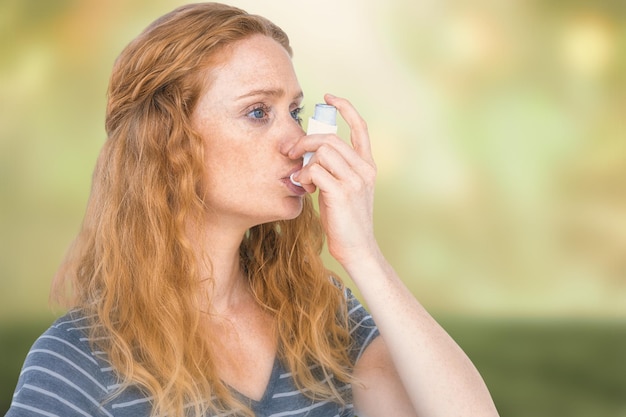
{"points": [[65, 346], [69, 330], [61, 374]]}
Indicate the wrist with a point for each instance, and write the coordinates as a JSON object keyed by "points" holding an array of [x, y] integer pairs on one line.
{"points": [[363, 261]]}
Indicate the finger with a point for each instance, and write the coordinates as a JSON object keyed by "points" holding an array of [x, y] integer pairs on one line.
{"points": [[359, 135], [326, 164], [336, 163], [315, 176], [329, 171], [315, 143]]}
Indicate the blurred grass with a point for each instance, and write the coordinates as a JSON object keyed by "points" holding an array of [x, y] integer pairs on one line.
{"points": [[548, 368], [534, 368]]}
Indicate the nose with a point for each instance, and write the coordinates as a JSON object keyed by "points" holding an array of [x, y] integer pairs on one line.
{"points": [[290, 132]]}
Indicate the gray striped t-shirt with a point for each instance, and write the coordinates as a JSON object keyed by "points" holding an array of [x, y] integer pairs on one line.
{"points": [[63, 376]]}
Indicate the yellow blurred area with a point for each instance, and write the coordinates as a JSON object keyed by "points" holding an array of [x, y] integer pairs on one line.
{"points": [[499, 129]]}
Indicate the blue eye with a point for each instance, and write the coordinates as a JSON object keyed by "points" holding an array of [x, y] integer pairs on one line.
{"points": [[295, 113], [258, 113]]}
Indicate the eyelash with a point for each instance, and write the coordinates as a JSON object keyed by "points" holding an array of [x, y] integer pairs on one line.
{"points": [[295, 114]]}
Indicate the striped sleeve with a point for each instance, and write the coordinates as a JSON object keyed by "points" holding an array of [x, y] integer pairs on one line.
{"points": [[60, 376], [362, 327]]}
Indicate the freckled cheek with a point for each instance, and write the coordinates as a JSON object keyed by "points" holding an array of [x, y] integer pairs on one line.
{"points": [[236, 152], [230, 165]]}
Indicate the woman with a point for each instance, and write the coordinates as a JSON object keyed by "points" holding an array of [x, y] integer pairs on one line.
{"points": [[196, 281]]}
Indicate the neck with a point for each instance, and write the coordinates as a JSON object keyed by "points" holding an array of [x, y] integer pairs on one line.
{"points": [[226, 283]]}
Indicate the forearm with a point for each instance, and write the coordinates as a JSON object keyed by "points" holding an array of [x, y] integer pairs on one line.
{"points": [[438, 376]]}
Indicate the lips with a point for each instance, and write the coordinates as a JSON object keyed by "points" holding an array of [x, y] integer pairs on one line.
{"points": [[293, 171], [295, 189]]}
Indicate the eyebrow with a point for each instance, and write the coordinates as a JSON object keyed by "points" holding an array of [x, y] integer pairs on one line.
{"points": [[279, 92]]}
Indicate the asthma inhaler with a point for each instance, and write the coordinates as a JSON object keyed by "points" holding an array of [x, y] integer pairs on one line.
{"points": [[324, 120]]}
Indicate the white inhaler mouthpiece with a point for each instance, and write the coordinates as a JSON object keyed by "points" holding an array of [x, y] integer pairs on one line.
{"points": [[324, 121]]}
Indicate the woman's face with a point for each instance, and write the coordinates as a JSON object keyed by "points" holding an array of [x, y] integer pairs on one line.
{"points": [[249, 109]]}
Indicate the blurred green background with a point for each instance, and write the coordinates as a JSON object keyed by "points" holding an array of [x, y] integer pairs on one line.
{"points": [[499, 129]]}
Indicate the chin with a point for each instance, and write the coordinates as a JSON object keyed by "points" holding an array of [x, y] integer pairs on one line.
{"points": [[288, 213], [293, 210]]}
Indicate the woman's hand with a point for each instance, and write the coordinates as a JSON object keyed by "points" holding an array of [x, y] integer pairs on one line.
{"points": [[345, 176]]}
